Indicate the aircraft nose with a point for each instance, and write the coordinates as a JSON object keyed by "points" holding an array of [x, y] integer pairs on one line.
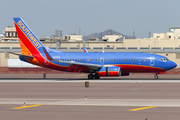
{"points": [[172, 65]]}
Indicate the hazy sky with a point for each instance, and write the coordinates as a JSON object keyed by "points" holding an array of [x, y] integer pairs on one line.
{"points": [[44, 16]]}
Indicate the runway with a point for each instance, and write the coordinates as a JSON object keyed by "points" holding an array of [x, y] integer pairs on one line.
{"points": [[103, 99]]}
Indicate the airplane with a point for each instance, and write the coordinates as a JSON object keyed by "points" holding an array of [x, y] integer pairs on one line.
{"points": [[97, 64]]}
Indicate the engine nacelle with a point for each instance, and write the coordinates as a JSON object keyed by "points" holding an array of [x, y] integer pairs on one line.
{"points": [[110, 71]]}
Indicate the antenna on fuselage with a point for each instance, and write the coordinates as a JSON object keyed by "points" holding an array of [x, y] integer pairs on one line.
{"points": [[103, 51]]}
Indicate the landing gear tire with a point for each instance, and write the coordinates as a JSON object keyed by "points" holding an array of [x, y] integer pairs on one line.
{"points": [[90, 76], [156, 77], [96, 76]]}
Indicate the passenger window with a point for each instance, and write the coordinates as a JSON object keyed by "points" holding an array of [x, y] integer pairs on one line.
{"points": [[98, 59]]}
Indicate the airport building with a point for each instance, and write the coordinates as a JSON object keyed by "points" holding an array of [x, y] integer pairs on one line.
{"points": [[166, 44], [9, 33]]}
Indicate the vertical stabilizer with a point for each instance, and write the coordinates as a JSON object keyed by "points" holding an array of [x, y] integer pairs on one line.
{"points": [[29, 43]]}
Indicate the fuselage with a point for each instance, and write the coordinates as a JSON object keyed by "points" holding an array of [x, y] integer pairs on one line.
{"points": [[128, 62]]}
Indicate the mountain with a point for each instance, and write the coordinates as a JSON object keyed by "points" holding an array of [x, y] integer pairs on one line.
{"points": [[107, 32]]}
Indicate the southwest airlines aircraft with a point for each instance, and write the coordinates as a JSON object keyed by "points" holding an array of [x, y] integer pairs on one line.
{"points": [[96, 64]]}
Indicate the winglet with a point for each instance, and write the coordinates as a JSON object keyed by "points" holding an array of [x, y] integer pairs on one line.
{"points": [[85, 51], [47, 54]]}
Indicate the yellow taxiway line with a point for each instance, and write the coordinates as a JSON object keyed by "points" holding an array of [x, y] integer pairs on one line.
{"points": [[27, 106], [142, 108]]}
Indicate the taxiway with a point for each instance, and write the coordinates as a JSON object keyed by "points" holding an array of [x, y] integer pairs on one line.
{"points": [[108, 98]]}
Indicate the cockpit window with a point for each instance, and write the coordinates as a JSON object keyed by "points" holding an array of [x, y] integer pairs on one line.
{"points": [[164, 59]]}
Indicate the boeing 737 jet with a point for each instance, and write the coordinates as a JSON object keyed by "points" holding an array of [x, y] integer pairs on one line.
{"points": [[96, 64]]}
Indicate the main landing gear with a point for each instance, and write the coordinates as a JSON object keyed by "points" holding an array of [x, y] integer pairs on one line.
{"points": [[156, 76], [91, 76]]}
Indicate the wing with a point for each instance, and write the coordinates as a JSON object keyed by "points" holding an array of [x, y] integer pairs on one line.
{"points": [[75, 66], [83, 65]]}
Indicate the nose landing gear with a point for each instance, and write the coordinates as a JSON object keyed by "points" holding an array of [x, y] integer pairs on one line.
{"points": [[156, 76]]}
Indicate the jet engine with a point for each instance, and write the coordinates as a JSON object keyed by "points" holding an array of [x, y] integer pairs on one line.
{"points": [[110, 71]]}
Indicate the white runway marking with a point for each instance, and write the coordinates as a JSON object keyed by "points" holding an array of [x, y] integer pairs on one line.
{"points": [[96, 81]]}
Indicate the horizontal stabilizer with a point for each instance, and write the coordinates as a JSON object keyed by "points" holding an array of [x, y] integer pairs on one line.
{"points": [[21, 55]]}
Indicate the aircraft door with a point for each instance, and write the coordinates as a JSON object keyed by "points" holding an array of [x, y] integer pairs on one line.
{"points": [[102, 61], [152, 61]]}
